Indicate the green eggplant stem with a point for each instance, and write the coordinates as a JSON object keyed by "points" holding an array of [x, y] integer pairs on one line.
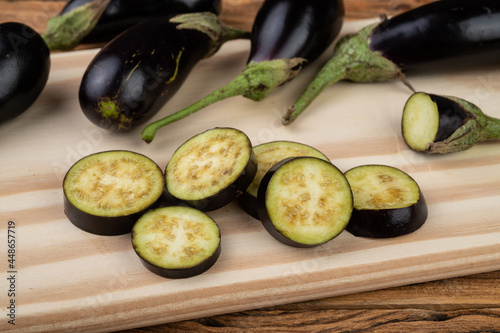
{"points": [[255, 82], [352, 60], [66, 31], [492, 131]]}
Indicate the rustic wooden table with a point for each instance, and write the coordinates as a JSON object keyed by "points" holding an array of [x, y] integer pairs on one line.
{"points": [[462, 304]]}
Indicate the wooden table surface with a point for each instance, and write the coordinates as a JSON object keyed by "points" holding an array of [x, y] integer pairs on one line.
{"points": [[462, 304]]}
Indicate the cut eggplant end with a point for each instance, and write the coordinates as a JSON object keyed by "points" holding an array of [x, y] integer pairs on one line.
{"points": [[177, 241], [304, 201], [387, 202], [420, 121], [268, 154], [106, 192], [211, 169]]}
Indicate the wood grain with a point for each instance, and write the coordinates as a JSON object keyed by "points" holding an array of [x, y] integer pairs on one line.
{"points": [[462, 304]]}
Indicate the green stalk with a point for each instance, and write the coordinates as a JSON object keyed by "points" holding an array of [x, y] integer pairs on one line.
{"points": [[492, 131], [255, 82], [352, 60], [65, 31]]}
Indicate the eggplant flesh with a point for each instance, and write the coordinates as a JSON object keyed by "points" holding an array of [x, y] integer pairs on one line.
{"points": [[135, 74], [304, 201], [387, 202], [437, 30], [211, 169], [120, 15], [24, 68], [291, 29], [176, 242], [105, 193], [268, 154]]}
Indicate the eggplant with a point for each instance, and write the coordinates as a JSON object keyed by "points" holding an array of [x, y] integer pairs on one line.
{"points": [[387, 202], [445, 124], [106, 192], [380, 52], [211, 169], [304, 201], [268, 154], [286, 35], [24, 68], [135, 74], [97, 22], [176, 242]]}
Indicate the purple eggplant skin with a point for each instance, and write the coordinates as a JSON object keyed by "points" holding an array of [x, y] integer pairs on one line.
{"points": [[106, 226], [437, 30], [24, 68], [135, 74], [451, 116], [388, 223], [291, 29], [120, 15]]}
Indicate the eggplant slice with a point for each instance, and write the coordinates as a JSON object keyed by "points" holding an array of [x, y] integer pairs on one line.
{"points": [[304, 201], [211, 169], [177, 241], [268, 154], [387, 202], [106, 192]]}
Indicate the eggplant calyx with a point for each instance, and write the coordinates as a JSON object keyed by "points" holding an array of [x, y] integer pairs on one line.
{"points": [[352, 60], [209, 24], [65, 31], [478, 127], [264, 77]]}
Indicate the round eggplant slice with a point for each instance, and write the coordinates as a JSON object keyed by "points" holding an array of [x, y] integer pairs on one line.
{"points": [[387, 202], [177, 241], [268, 154], [211, 169], [105, 193], [304, 201]]}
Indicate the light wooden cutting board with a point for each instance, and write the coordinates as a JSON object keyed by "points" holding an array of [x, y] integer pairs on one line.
{"points": [[70, 280]]}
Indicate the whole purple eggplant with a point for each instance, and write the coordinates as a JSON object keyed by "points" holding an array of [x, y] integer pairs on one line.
{"points": [[380, 52], [286, 35], [97, 21]]}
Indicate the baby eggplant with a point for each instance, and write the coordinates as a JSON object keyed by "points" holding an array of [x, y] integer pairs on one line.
{"points": [[135, 74], [387, 202], [286, 35], [24, 68], [304, 201], [380, 52], [445, 124], [105, 20]]}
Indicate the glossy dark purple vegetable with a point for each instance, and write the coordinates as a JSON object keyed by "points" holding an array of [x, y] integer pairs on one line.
{"points": [[135, 74], [24, 68], [445, 124], [380, 52], [286, 35], [118, 15]]}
